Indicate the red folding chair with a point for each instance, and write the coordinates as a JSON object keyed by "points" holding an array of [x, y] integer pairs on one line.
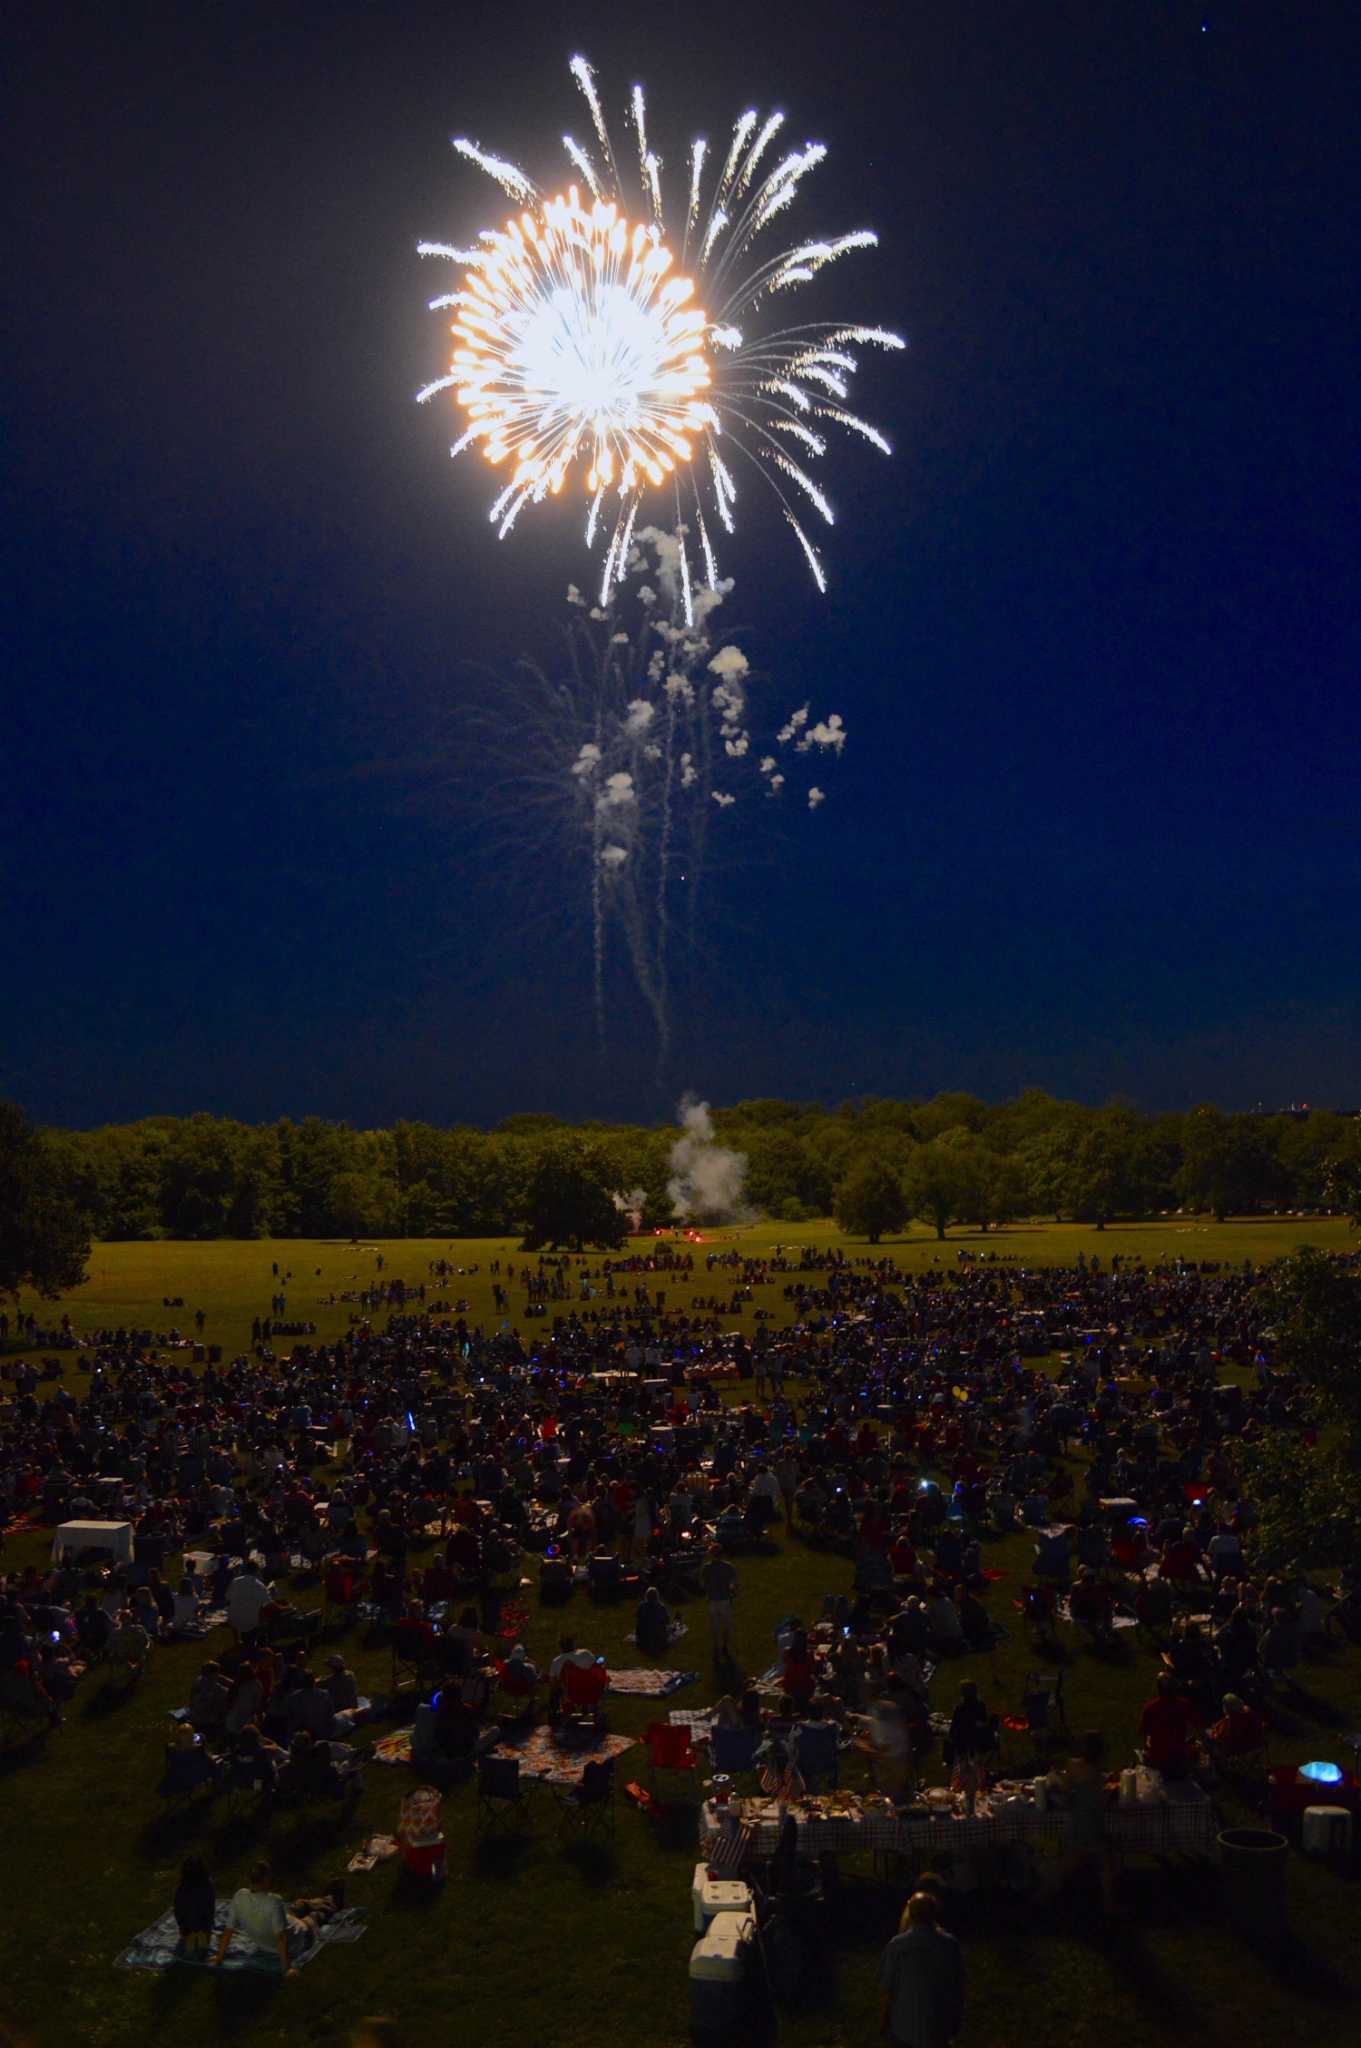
{"points": [[670, 1749]]}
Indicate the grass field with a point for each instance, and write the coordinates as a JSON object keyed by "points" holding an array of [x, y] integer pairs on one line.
{"points": [[540, 1944]]}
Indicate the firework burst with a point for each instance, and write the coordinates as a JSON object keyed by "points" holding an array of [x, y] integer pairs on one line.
{"points": [[582, 352]]}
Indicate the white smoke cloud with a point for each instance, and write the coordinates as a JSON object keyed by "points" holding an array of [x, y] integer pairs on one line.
{"points": [[826, 733], [632, 1205], [710, 598], [797, 720], [815, 797], [767, 764], [618, 791], [689, 772], [588, 760], [707, 1179], [638, 717], [729, 664], [574, 596], [613, 856], [776, 784], [722, 798], [736, 747], [681, 691]]}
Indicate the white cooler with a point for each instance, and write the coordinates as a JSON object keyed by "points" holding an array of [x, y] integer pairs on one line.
{"points": [[718, 1969], [714, 1895], [1325, 1831]]}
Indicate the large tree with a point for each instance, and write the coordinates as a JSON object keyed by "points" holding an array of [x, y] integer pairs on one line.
{"points": [[44, 1242], [870, 1200], [570, 1200]]}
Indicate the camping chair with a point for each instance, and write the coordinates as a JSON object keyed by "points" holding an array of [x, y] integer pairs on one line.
{"points": [[815, 1751], [250, 1777], [604, 1576], [342, 1581], [733, 1749], [670, 1749], [517, 1690], [583, 1689], [414, 1653], [500, 1801], [588, 1808]]}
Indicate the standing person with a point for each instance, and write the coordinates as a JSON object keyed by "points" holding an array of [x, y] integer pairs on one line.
{"points": [[921, 1980], [720, 1590], [1089, 1853]]}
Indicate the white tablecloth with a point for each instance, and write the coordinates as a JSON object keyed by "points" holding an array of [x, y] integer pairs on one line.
{"points": [[1183, 1820], [77, 1536]]}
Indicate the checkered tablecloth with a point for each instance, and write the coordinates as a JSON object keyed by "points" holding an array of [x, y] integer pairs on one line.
{"points": [[1183, 1820]]}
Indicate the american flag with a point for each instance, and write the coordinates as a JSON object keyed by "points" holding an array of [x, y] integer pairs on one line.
{"points": [[785, 1784], [728, 1848]]}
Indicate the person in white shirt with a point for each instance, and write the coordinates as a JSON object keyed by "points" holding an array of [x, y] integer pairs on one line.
{"points": [[247, 1598], [264, 1922]]}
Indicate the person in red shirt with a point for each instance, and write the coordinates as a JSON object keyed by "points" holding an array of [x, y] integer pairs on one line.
{"points": [[1166, 1726], [1241, 1731]]}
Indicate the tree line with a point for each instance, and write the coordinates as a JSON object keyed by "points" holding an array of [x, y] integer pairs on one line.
{"points": [[874, 1163]]}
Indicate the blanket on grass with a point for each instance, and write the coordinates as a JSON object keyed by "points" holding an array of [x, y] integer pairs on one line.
{"points": [[651, 1685], [549, 1763], [158, 1947]]}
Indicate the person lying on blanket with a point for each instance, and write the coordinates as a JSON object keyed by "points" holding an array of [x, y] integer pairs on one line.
{"points": [[264, 1922]]}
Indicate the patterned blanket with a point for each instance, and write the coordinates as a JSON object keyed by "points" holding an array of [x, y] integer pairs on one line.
{"points": [[651, 1685], [548, 1763], [158, 1947]]}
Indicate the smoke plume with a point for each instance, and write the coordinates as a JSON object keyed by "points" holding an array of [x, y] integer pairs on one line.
{"points": [[707, 1180]]}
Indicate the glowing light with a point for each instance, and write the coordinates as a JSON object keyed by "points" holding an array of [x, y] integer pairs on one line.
{"points": [[579, 354], [1322, 1774]]}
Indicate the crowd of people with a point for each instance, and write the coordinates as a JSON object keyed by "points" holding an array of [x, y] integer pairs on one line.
{"points": [[897, 1420]]}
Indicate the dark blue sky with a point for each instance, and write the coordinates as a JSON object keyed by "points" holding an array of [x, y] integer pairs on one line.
{"points": [[1094, 629]]}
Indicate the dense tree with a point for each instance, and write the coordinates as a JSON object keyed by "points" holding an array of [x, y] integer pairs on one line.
{"points": [[44, 1241], [1315, 1311], [870, 1200], [943, 1184], [570, 1200]]}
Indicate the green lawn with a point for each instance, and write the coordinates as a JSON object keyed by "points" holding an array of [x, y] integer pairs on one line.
{"points": [[552, 1946]]}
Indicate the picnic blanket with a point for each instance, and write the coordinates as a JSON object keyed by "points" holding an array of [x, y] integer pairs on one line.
{"points": [[651, 1685], [158, 1947], [545, 1760], [698, 1720], [394, 1748]]}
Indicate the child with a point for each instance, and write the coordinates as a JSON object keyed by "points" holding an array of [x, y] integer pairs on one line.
{"points": [[195, 1906]]}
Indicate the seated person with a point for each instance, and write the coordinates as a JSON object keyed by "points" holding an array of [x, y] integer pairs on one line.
{"points": [[1240, 1731], [652, 1629], [1166, 1728], [263, 1922], [798, 1672], [195, 1907], [209, 1698]]}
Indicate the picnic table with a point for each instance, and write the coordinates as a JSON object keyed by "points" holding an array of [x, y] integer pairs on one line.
{"points": [[74, 1537], [1180, 1819]]}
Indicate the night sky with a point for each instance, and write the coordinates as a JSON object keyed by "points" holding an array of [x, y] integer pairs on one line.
{"points": [[1094, 630]]}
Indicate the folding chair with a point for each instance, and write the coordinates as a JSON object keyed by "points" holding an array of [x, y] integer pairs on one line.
{"points": [[815, 1751], [500, 1801], [670, 1749], [733, 1749], [413, 1653], [588, 1808], [519, 1692]]}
